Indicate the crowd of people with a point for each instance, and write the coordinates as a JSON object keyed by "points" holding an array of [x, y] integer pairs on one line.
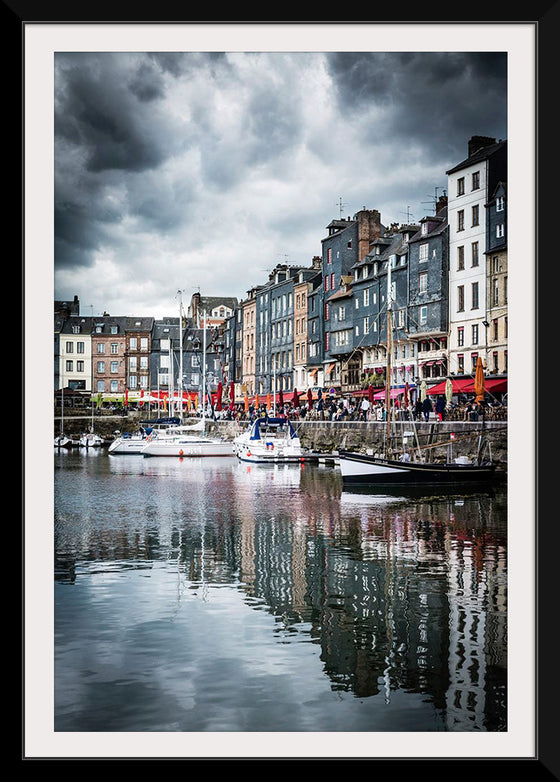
{"points": [[354, 409]]}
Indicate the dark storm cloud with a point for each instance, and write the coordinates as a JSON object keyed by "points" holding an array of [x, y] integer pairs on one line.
{"points": [[104, 105], [437, 99]]}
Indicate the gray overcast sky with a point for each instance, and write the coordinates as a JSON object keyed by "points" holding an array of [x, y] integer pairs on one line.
{"points": [[204, 170]]}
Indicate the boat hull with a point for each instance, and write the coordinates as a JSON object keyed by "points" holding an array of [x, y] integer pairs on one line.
{"points": [[183, 449], [125, 445], [361, 469]]}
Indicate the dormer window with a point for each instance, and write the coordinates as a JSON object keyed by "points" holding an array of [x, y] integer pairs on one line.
{"points": [[424, 229]]}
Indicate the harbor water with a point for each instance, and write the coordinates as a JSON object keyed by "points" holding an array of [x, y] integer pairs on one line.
{"points": [[208, 594]]}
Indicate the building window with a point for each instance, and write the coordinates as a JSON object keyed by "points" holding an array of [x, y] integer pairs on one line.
{"points": [[332, 281], [366, 325], [423, 316], [495, 361], [366, 297], [133, 343], [326, 288], [474, 334], [474, 254], [500, 204], [476, 180], [423, 252], [329, 255], [495, 293], [461, 186], [80, 366], [460, 258], [474, 359], [114, 348], [499, 231], [423, 282], [460, 336], [69, 366], [496, 264], [475, 214], [100, 367], [69, 347], [114, 330], [101, 347], [474, 289], [460, 298], [114, 367], [114, 386], [80, 347], [461, 363], [461, 220]]}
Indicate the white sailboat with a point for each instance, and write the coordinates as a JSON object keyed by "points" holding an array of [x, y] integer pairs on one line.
{"points": [[61, 440], [189, 440], [269, 440], [91, 439]]}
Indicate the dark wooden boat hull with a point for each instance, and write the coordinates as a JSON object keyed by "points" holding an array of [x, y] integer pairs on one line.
{"points": [[361, 469]]}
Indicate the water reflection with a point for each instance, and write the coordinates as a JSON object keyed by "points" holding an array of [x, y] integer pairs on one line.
{"points": [[400, 598]]}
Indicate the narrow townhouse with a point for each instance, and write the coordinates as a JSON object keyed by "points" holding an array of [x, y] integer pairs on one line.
{"points": [[470, 186], [138, 333], [108, 344], [75, 370], [428, 304], [347, 242], [496, 325]]}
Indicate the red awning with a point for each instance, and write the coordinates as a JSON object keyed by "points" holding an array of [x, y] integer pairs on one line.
{"points": [[459, 386], [496, 385]]}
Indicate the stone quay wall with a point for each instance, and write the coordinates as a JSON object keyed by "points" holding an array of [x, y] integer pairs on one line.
{"points": [[326, 437]]}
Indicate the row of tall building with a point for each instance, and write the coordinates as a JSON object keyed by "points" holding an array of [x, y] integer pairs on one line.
{"points": [[324, 324]]}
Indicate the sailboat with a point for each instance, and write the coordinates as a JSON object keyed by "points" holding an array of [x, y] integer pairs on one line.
{"points": [[90, 439], [61, 440], [190, 439], [397, 466]]}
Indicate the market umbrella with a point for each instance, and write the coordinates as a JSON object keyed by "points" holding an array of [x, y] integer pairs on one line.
{"points": [[295, 398], [268, 401], [257, 401], [405, 399], [423, 390], [448, 390], [309, 397], [281, 398], [219, 397], [479, 384], [231, 395], [370, 392], [246, 403]]}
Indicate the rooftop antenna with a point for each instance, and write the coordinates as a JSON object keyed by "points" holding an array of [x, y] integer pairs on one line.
{"points": [[409, 215], [340, 207], [434, 199]]}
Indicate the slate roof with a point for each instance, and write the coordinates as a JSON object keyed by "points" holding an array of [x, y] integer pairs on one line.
{"points": [[481, 154]]}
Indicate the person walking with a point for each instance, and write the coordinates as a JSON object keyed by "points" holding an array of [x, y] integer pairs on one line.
{"points": [[418, 410], [440, 407], [427, 408]]}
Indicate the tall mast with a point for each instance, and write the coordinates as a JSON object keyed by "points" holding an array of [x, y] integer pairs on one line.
{"points": [[388, 357], [204, 370], [180, 384]]}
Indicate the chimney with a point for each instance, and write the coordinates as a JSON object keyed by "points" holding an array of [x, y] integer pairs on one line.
{"points": [[477, 143]]}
